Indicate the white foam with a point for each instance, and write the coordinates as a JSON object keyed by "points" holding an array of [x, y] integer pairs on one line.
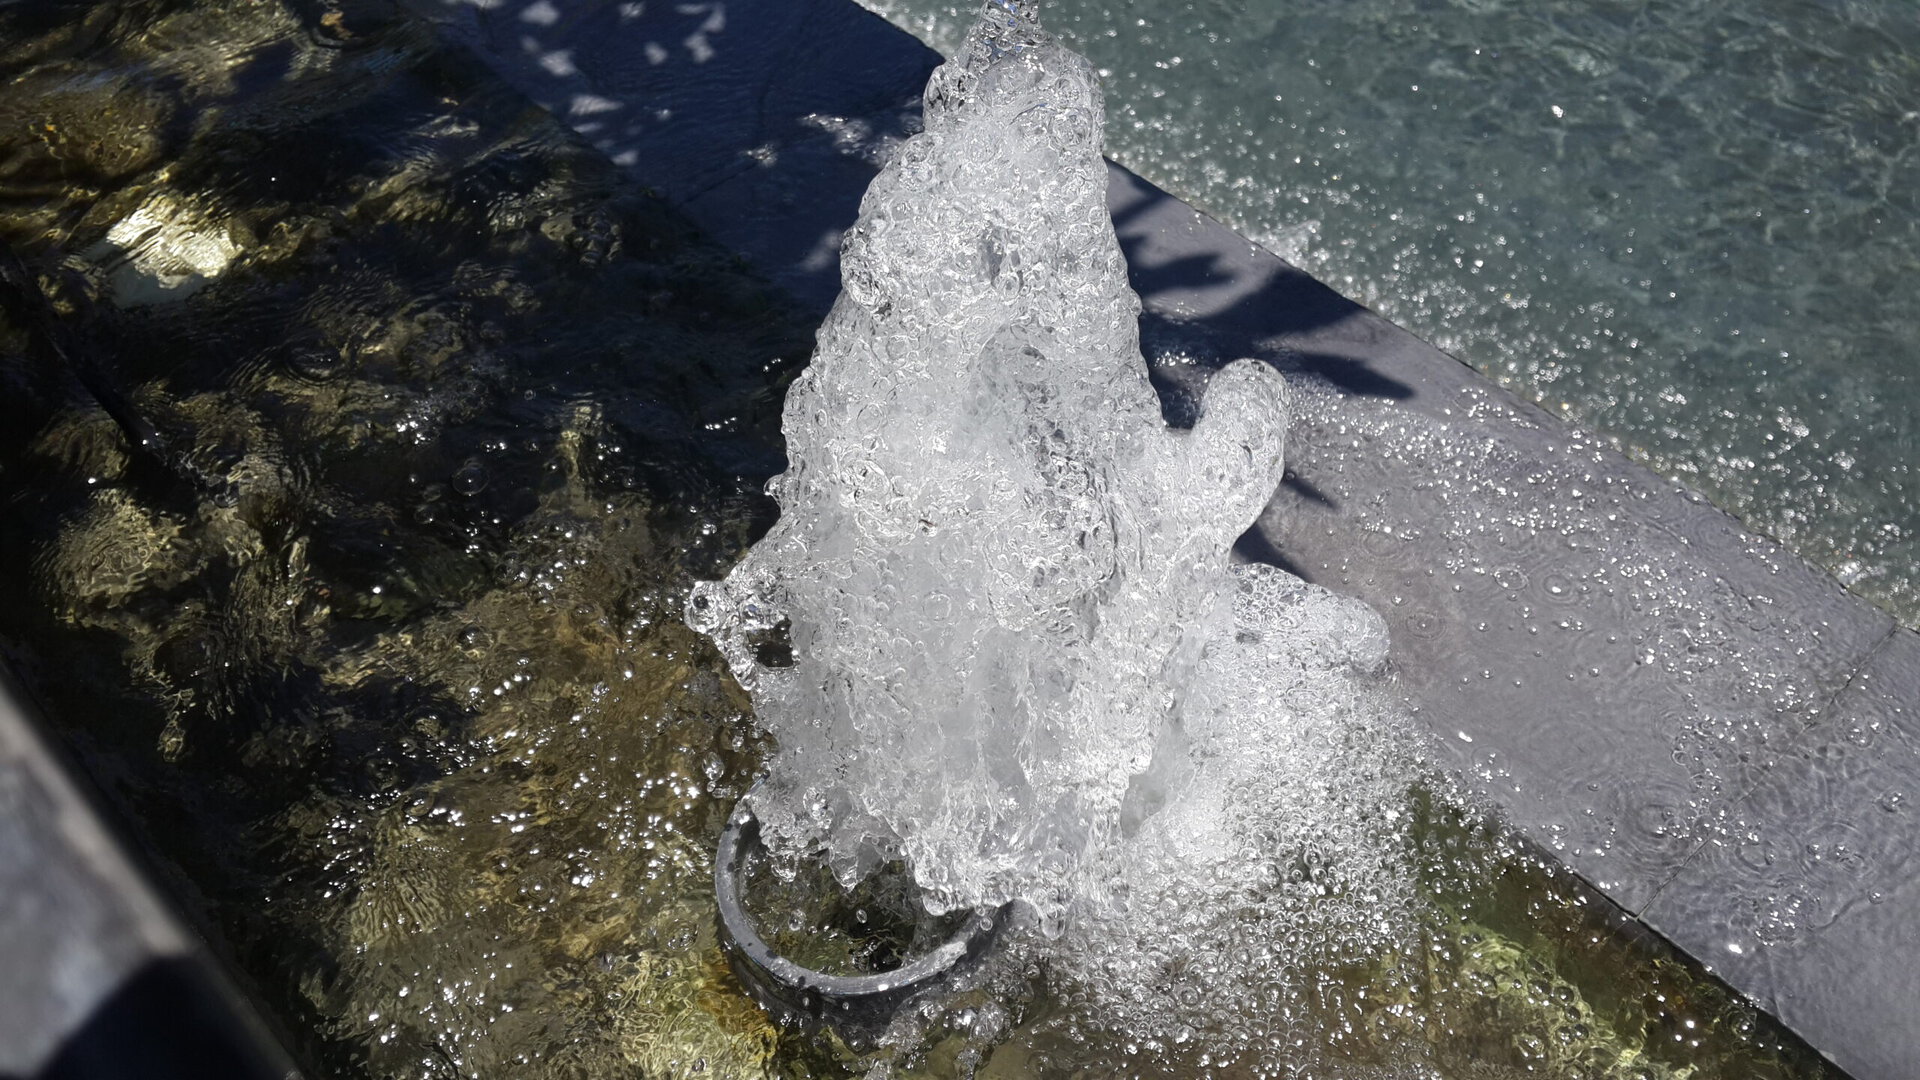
{"points": [[1020, 656]]}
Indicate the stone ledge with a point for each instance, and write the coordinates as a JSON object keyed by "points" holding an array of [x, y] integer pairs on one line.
{"points": [[100, 979]]}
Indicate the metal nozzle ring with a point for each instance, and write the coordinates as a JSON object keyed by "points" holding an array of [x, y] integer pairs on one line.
{"points": [[797, 994]]}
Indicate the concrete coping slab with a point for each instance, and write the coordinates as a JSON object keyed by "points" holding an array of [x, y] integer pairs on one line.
{"points": [[100, 978], [1642, 684]]}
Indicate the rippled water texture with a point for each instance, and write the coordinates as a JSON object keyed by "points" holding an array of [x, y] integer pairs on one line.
{"points": [[1691, 225], [361, 434]]}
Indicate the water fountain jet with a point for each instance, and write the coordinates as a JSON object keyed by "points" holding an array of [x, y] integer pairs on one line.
{"points": [[996, 633]]}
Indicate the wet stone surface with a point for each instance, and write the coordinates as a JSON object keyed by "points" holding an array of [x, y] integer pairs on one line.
{"points": [[765, 121], [1610, 657], [1616, 663], [1809, 900], [1613, 660]]}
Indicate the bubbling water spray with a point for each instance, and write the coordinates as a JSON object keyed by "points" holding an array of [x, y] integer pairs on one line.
{"points": [[995, 564], [1015, 653]]}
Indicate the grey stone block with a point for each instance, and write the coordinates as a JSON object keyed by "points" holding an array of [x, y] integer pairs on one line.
{"points": [[1811, 903], [98, 981], [764, 120], [75, 920]]}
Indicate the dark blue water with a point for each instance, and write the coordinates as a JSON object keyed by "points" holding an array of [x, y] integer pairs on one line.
{"points": [[1689, 225]]}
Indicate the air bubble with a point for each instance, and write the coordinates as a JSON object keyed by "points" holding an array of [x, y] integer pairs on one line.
{"points": [[471, 478], [315, 364]]}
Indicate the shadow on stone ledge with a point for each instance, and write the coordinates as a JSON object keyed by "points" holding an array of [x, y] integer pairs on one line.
{"points": [[169, 1021]]}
